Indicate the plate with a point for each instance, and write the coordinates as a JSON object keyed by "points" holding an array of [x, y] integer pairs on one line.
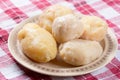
{"points": [[57, 67]]}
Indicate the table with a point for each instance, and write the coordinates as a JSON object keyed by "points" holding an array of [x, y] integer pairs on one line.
{"points": [[13, 12]]}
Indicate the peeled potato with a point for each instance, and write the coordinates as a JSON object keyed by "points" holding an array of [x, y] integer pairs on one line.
{"points": [[80, 52], [49, 14], [95, 28], [37, 43], [67, 28]]}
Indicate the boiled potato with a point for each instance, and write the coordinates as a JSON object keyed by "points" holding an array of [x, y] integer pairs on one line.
{"points": [[95, 28], [67, 28], [37, 43], [47, 17], [80, 52]]}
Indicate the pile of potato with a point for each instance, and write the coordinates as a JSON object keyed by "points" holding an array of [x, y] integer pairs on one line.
{"points": [[72, 36]]}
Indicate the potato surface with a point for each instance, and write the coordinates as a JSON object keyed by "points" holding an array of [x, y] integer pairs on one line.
{"points": [[37, 43], [49, 14], [80, 52]]}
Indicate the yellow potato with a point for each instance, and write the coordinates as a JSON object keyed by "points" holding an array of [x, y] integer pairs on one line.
{"points": [[80, 52], [37, 43], [95, 28], [47, 17], [67, 28]]}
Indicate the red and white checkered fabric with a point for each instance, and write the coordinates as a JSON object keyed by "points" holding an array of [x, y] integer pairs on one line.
{"points": [[14, 11]]}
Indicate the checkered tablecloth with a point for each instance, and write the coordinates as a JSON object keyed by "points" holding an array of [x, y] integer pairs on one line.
{"points": [[13, 12]]}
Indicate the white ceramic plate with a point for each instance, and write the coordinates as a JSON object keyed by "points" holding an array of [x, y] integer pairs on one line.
{"points": [[56, 67]]}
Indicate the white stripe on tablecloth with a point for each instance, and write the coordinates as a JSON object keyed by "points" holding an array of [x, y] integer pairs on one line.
{"points": [[2, 53], [7, 24], [91, 1], [118, 55], [11, 71], [108, 13], [1, 10], [20, 3], [101, 70], [67, 4], [30, 14]]}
